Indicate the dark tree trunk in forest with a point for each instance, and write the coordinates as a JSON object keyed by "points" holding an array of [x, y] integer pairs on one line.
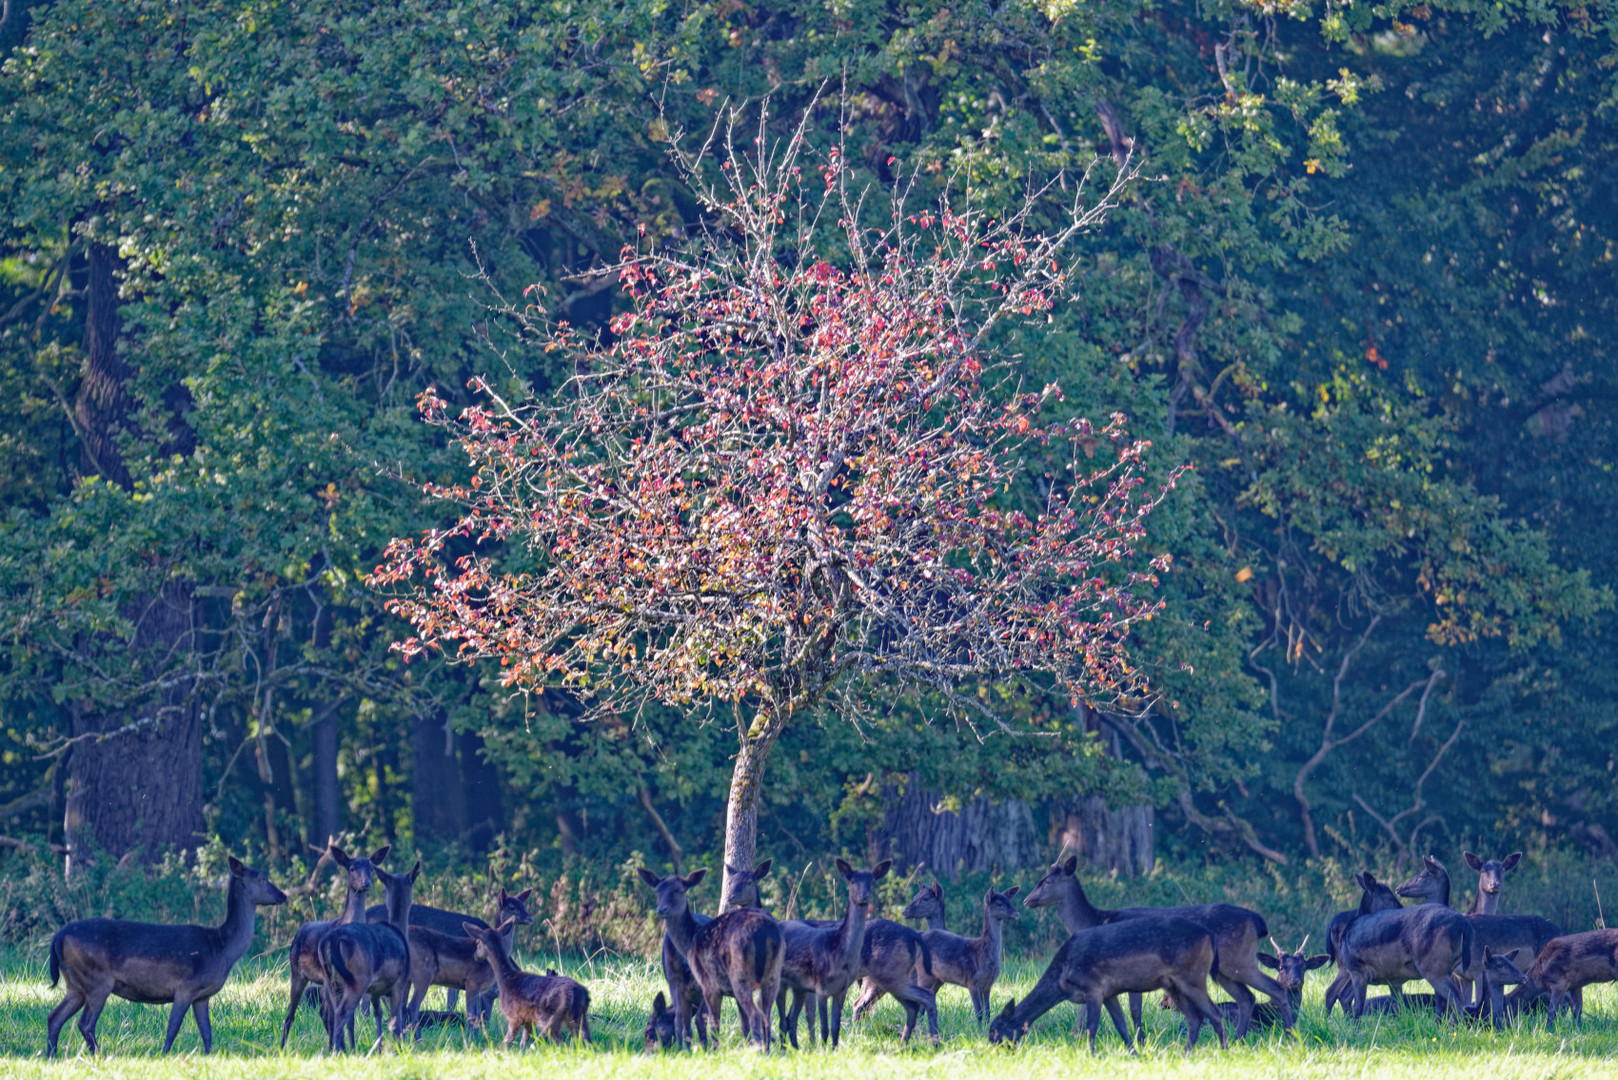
{"points": [[135, 772], [323, 759], [1116, 840], [485, 812], [438, 800], [982, 836]]}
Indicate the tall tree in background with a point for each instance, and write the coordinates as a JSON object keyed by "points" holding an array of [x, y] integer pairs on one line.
{"points": [[784, 478]]}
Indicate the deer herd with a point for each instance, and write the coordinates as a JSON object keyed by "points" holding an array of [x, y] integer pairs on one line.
{"points": [[393, 952]]}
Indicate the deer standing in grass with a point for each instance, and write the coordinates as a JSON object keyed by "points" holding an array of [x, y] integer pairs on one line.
{"points": [[507, 906], [819, 963], [155, 964], [1132, 956], [973, 963], [303, 958], [370, 960], [1291, 971], [735, 955], [549, 1005], [1564, 968]]}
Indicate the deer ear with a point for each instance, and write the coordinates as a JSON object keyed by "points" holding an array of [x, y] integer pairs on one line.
{"points": [[415, 872], [1011, 893], [1316, 961], [1430, 863], [1071, 866], [522, 897], [762, 868], [843, 868], [1011, 1007], [1510, 861], [1269, 961], [660, 1004], [694, 878], [381, 853], [648, 877], [1473, 861], [338, 856], [471, 931], [880, 870], [236, 866]]}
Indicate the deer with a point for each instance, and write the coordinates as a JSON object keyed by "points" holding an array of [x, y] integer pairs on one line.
{"points": [[1495, 971], [370, 960], [507, 906], [1291, 971], [736, 954], [452, 961], [552, 1003], [1564, 967], [1429, 942], [1500, 933], [683, 988], [1238, 929], [973, 963], [1134, 955], [661, 1032], [154, 963], [303, 958], [1491, 879], [1374, 896], [820, 963]]}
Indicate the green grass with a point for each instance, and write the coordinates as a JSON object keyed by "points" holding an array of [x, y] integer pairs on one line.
{"points": [[247, 1021]]}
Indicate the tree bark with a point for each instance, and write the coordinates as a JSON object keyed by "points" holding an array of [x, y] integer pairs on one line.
{"points": [[438, 799], [485, 809], [741, 808], [1119, 841], [982, 836], [327, 794]]}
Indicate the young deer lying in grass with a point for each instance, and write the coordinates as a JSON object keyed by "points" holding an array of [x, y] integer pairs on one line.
{"points": [[1134, 956], [370, 960], [661, 1033], [154, 964], [303, 958], [973, 963], [551, 1003]]}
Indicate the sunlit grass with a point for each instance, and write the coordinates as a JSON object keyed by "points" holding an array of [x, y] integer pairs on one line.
{"points": [[247, 1022]]}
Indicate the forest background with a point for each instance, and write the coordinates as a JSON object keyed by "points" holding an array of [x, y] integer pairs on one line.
{"points": [[1364, 288]]}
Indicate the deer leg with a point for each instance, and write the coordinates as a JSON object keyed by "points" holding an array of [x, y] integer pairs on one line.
{"points": [[1551, 1006], [1244, 998], [820, 1015], [72, 1003], [870, 994], [1116, 1012], [911, 1012], [199, 1013], [95, 1001], [299, 983], [452, 996], [1092, 1021], [789, 1021], [1135, 1001], [837, 1016]]}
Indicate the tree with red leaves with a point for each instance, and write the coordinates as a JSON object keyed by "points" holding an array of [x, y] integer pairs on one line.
{"points": [[782, 481]]}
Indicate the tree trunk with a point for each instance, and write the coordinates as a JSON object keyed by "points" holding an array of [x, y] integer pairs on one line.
{"points": [[485, 810], [1119, 841], [438, 800], [981, 836], [327, 794], [741, 808]]}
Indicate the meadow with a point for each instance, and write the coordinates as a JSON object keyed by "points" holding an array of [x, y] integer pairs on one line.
{"points": [[247, 1019]]}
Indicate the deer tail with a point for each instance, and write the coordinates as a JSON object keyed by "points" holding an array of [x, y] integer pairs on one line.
{"points": [[581, 1012], [56, 957], [334, 959], [1213, 967], [926, 955]]}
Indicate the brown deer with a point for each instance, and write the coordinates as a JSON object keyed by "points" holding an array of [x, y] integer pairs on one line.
{"points": [[554, 1004], [155, 964], [737, 954], [820, 963], [1499, 933], [1135, 956], [1238, 930], [451, 961], [1495, 971], [1374, 896], [370, 960], [507, 906], [962, 961], [303, 958], [1491, 879], [683, 988], [1565, 967]]}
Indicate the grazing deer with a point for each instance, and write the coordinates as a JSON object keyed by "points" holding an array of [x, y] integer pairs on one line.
{"points": [[662, 1032], [737, 954], [1136, 956], [1491, 879], [970, 962], [1391, 947], [552, 1003], [303, 958], [820, 963], [507, 906], [370, 960], [1499, 933], [1564, 968], [1238, 930], [1374, 896], [1291, 971], [155, 964]]}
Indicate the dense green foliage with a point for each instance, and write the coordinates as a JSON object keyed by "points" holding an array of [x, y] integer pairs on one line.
{"points": [[1365, 290]]}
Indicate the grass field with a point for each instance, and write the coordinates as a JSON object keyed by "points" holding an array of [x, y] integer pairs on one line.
{"points": [[247, 1020]]}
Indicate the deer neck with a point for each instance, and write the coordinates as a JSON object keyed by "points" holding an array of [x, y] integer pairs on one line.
{"points": [[851, 935], [1045, 996], [990, 941], [500, 959], [682, 931], [236, 932], [936, 922], [1485, 903], [399, 914], [1076, 911], [353, 907], [509, 936]]}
